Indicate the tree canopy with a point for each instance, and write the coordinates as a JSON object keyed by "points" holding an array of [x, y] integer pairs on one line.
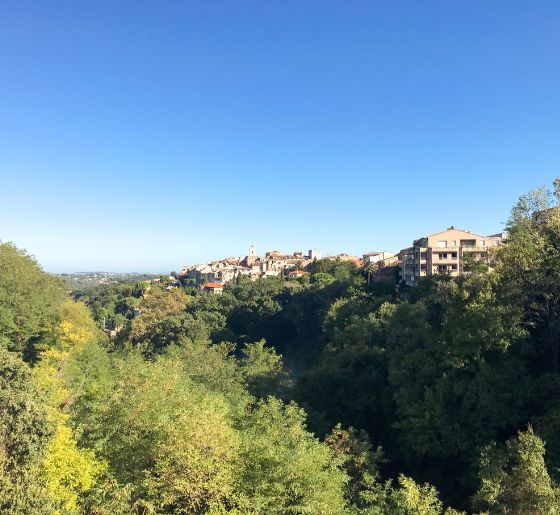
{"points": [[331, 395]]}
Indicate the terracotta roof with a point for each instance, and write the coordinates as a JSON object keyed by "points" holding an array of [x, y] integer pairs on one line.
{"points": [[372, 253], [297, 272], [211, 286]]}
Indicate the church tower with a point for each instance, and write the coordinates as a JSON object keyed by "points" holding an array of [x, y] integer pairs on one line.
{"points": [[252, 257]]}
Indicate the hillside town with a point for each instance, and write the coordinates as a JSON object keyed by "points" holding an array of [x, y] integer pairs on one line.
{"points": [[273, 264], [441, 252]]}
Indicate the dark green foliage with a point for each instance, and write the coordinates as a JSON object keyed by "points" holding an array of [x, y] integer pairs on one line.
{"points": [[112, 304], [24, 434], [24, 430], [29, 299]]}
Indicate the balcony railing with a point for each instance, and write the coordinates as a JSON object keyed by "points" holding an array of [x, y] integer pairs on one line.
{"points": [[475, 248]]}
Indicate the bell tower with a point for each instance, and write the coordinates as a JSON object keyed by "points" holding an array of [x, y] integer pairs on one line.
{"points": [[252, 257]]}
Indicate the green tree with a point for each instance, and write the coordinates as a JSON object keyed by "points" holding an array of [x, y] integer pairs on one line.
{"points": [[25, 433], [263, 370], [529, 265], [369, 269], [358, 460], [156, 304], [514, 478], [179, 447], [29, 299], [285, 470]]}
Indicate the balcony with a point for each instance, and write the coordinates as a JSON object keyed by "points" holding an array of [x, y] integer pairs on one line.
{"points": [[475, 248]]}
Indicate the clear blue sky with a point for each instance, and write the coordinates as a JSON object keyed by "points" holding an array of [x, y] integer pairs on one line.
{"points": [[140, 136]]}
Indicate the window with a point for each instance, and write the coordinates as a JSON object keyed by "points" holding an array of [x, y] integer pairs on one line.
{"points": [[482, 243], [442, 256], [454, 267], [453, 243], [423, 266], [423, 255], [454, 255], [442, 244]]}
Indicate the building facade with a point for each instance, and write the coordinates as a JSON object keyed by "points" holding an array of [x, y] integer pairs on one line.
{"points": [[444, 252], [215, 288], [376, 257]]}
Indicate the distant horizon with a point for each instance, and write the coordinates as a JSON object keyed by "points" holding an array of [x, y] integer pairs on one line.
{"points": [[224, 256], [124, 271]]}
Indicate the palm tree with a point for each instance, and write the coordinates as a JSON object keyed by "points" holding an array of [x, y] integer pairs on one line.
{"points": [[369, 269]]}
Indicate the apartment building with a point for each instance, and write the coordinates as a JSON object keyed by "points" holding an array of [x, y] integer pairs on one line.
{"points": [[444, 252]]}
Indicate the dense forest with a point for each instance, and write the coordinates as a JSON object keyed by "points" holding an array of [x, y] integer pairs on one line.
{"points": [[331, 394]]}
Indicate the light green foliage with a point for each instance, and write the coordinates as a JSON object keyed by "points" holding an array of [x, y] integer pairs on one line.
{"points": [[214, 367], [322, 280], [352, 323], [342, 271], [514, 478], [157, 304], [263, 369], [413, 499], [285, 469], [170, 438]]}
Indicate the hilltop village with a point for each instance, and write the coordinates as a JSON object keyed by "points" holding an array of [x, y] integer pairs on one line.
{"points": [[440, 252], [212, 276]]}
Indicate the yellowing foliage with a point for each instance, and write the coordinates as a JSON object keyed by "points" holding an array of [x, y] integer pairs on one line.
{"points": [[75, 328], [70, 334], [68, 471]]}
